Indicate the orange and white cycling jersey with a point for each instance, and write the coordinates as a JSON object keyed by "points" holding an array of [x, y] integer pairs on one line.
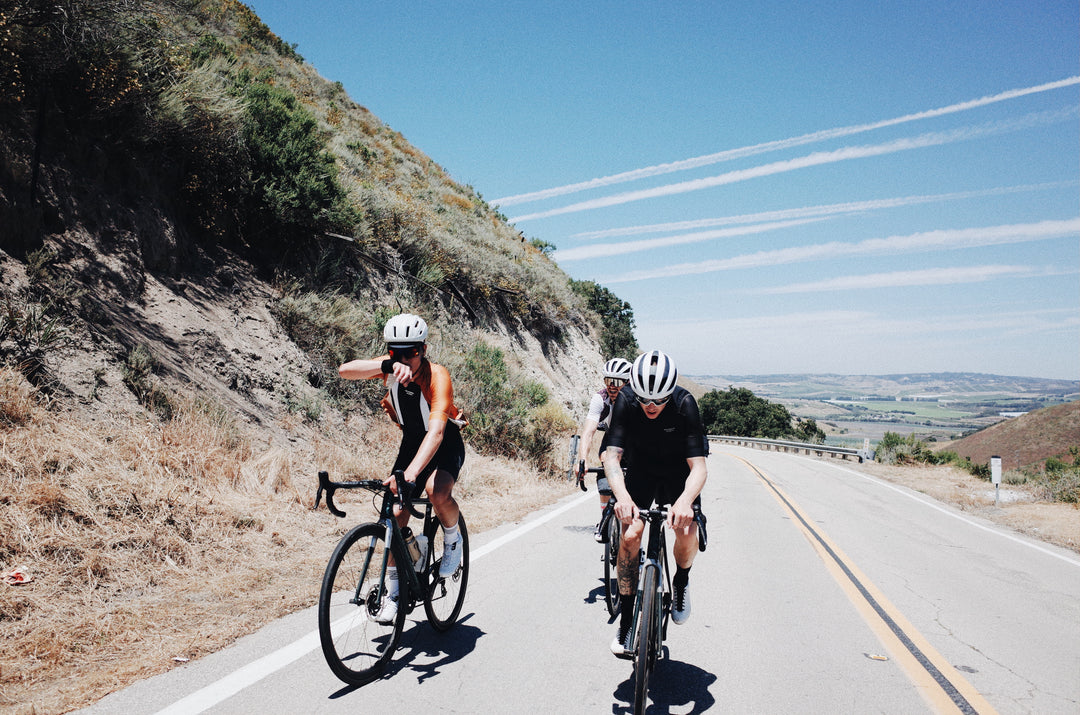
{"points": [[429, 397]]}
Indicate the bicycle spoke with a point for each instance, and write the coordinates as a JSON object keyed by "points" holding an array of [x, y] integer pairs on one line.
{"points": [[444, 596], [356, 645]]}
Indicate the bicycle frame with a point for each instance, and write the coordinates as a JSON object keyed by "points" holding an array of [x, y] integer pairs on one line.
{"points": [[359, 651], [653, 553], [395, 541]]}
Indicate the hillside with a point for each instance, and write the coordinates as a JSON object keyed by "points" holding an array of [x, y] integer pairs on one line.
{"points": [[947, 385], [196, 229], [930, 406], [1024, 441], [201, 195]]}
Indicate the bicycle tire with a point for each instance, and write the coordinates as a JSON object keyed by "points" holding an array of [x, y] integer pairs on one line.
{"points": [[444, 597], [648, 642], [612, 597], [355, 646]]}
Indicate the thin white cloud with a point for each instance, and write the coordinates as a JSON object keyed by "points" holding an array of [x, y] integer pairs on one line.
{"points": [[948, 239], [907, 279], [815, 159], [604, 250], [850, 341], [863, 322], [810, 211], [775, 145]]}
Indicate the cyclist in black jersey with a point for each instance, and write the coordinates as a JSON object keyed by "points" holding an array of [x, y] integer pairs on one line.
{"points": [[655, 424]]}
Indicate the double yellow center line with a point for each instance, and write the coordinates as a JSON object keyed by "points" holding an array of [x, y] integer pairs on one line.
{"points": [[941, 685]]}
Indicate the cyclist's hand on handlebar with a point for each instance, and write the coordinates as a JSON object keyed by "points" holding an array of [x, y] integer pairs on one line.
{"points": [[392, 482], [626, 511], [680, 515], [581, 475]]}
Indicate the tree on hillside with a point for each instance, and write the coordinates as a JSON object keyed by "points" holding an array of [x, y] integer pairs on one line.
{"points": [[808, 431], [740, 413], [616, 318]]}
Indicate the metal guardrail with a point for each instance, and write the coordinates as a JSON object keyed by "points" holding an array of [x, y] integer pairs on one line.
{"points": [[778, 445]]}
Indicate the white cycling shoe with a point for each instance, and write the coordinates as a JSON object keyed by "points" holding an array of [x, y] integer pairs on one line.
{"points": [[388, 611], [451, 559]]}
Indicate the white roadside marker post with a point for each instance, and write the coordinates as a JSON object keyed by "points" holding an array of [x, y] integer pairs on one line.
{"points": [[995, 477]]}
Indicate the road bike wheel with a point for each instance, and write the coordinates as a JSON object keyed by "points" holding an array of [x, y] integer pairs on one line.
{"points": [[443, 597], [648, 637], [355, 646], [611, 565]]}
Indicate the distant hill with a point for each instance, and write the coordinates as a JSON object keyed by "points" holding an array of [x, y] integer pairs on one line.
{"points": [[959, 385], [1024, 441]]}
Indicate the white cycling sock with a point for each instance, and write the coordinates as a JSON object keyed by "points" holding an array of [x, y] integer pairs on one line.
{"points": [[451, 534], [393, 587]]}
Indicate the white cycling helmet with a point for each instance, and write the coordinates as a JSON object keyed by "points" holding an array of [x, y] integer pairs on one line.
{"points": [[617, 368], [405, 330], [653, 376]]}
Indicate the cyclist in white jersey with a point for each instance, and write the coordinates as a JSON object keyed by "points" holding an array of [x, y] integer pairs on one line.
{"points": [[616, 374]]}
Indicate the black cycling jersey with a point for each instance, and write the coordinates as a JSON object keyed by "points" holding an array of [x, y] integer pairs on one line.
{"points": [[657, 448]]}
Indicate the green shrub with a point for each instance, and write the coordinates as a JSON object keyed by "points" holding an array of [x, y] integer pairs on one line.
{"points": [[616, 319], [291, 175], [507, 416], [546, 423], [895, 449], [738, 412]]}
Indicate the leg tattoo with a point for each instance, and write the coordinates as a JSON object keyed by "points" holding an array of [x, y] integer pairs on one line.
{"points": [[628, 573]]}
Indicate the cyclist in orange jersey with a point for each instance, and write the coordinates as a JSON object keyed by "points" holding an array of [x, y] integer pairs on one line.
{"points": [[420, 398]]}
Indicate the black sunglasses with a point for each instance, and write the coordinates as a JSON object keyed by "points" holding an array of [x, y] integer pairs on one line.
{"points": [[662, 401], [614, 381], [404, 353]]}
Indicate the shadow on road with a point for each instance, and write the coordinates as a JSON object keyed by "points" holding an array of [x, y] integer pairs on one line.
{"points": [[673, 685], [425, 650]]}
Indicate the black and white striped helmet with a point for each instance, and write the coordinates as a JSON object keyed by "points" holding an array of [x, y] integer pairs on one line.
{"points": [[653, 376], [617, 368]]}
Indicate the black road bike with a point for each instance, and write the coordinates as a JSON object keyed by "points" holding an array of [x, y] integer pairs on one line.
{"points": [[652, 605], [357, 646], [610, 536]]}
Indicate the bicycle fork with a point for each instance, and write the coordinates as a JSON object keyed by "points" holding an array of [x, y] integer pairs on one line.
{"points": [[664, 602]]}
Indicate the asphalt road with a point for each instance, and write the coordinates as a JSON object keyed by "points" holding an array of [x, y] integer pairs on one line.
{"points": [[822, 591]]}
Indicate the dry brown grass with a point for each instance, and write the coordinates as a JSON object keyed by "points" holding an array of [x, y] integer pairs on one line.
{"points": [[149, 541]]}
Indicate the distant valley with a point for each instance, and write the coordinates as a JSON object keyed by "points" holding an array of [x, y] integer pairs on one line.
{"points": [[934, 406]]}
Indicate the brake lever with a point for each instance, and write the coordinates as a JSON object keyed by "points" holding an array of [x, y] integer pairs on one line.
{"points": [[326, 485], [405, 491]]}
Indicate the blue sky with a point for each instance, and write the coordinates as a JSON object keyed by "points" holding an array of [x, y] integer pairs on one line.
{"points": [[774, 187]]}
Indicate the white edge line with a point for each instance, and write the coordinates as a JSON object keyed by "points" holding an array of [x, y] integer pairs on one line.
{"points": [[925, 500], [214, 693]]}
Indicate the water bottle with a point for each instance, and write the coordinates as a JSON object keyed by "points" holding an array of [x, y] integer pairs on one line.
{"points": [[410, 544], [422, 543]]}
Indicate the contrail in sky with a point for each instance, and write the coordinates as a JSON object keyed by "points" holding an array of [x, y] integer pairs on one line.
{"points": [[602, 250], [790, 217], [815, 159], [775, 145], [917, 242], [811, 211], [908, 279]]}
